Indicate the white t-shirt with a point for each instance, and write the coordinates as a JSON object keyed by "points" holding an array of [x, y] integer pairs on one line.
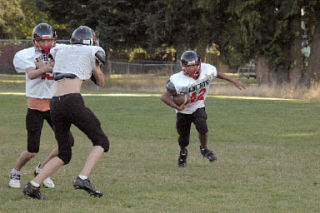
{"points": [[41, 87], [77, 59], [197, 89]]}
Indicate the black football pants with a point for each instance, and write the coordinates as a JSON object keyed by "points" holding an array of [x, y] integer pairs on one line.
{"points": [[183, 125]]}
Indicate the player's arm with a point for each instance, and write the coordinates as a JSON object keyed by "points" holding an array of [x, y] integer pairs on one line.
{"points": [[100, 58], [167, 97], [98, 76], [40, 69], [236, 83]]}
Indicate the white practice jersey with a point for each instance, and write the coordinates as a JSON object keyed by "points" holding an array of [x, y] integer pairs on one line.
{"points": [[196, 89], [41, 87], [77, 59]]}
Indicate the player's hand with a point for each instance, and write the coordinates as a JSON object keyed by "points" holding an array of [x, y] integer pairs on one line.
{"points": [[182, 106], [239, 85], [43, 66]]}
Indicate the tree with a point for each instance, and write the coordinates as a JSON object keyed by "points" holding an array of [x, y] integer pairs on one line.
{"points": [[312, 18], [266, 31], [10, 15]]}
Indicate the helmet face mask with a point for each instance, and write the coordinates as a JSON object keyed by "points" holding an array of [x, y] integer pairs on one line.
{"points": [[84, 35], [191, 64], [44, 37]]}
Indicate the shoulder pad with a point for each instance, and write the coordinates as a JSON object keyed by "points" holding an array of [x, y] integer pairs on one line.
{"points": [[171, 88], [101, 57]]}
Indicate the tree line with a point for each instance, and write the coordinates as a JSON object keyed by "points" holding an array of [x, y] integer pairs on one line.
{"points": [[269, 33]]}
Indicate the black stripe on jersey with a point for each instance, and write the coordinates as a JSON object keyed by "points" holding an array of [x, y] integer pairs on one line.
{"points": [[199, 86]]}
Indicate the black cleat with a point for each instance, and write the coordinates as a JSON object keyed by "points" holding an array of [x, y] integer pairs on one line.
{"points": [[87, 186], [206, 153], [33, 192], [182, 160]]}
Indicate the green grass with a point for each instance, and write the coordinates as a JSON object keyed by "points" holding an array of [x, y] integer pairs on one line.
{"points": [[268, 158]]}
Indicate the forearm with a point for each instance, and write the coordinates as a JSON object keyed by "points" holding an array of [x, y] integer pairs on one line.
{"points": [[35, 73], [99, 76], [166, 98], [236, 83], [225, 77]]}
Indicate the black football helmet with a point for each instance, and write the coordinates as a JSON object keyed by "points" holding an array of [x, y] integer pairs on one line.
{"points": [[84, 35], [191, 64], [44, 31]]}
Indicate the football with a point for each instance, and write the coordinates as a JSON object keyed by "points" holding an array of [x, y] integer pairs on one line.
{"points": [[179, 99]]}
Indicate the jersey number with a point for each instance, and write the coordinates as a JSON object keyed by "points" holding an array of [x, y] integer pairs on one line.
{"points": [[46, 76], [198, 96]]}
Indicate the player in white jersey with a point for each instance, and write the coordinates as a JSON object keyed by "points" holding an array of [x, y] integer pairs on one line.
{"points": [[73, 64], [194, 80], [40, 86]]}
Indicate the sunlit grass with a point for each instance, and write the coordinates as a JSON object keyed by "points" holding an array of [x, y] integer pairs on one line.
{"points": [[268, 158]]}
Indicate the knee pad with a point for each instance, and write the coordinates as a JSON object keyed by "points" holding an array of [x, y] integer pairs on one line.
{"points": [[101, 140], [103, 143], [203, 131], [202, 127], [183, 141], [65, 156], [32, 148]]}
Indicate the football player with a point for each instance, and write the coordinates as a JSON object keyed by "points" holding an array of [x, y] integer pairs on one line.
{"points": [[40, 86], [194, 80], [73, 64]]}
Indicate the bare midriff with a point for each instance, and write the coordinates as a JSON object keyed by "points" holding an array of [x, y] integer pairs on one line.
{"points": [[67, 86]]}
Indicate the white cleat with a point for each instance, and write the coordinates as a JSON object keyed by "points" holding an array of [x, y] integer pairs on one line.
{"points": [[14, 180], [48, 182]]}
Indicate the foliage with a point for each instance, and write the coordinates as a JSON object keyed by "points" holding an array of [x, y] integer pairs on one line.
{"points": [[10, 15], [242, 30]]}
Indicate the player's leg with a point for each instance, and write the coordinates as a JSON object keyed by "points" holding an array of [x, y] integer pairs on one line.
{"points": [[183, 126], [32, 188], [55, 151], [200, 121], [92, 159], [82, 181], [48, 182], [34, 123], [62, 129], [88, 123]]}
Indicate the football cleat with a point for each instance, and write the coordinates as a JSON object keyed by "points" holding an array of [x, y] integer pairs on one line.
{"points": [[206, 153], [14, 180], [87, 186], [33, 192], [48, 182], [182, 160]]}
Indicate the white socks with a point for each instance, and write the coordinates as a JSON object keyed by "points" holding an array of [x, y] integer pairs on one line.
{"points": [[83, 177], [34, 184], [15, 171]]}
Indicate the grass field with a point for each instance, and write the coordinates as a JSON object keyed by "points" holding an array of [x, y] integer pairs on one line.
{"points": [[268, 158]]}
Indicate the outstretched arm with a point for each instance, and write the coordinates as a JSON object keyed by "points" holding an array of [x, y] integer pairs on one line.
{"points": [[236, 83]]}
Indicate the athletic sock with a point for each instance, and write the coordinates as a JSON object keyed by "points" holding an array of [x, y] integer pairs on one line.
{"points": [[15, 171], [83, 177], [34, 184]]}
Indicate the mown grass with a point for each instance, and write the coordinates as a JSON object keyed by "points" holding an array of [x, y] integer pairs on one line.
{"points": [[268, 158]]}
